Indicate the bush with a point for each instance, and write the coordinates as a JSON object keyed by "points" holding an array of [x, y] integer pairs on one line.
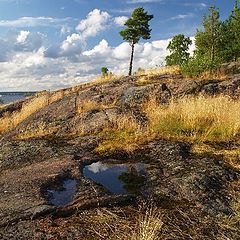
{"points": [[196, 66], [104, 71]]}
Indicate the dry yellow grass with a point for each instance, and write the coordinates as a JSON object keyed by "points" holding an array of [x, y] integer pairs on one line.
{"points": [[30, 106], [160, 71], [218, 75], [200, 118], [172, 70], [148, 225], [87, 105], [147, 76], [143, 224], [107, 78], [190, 119], [124, 134], [129, 223], [10, 120]]}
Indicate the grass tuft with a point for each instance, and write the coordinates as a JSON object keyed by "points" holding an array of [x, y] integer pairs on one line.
{"points": [[148, 225], [142, 224]]}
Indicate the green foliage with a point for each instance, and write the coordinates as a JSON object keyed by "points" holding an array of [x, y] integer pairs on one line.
{"points": [[104, 71], [1, 101], [210, 44], [208, 41], [178, 48], [197, 65], [230, 32], [137, 27]]}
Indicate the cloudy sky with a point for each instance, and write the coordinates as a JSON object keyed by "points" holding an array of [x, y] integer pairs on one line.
{"points": [[50, 44]]}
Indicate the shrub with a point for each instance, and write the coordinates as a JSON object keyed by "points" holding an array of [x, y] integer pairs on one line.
{"points": [[196, 66], [104, 71]]}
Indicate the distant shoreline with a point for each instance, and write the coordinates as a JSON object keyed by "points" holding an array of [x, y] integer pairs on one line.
{"points": [[9, 97], [18, 93]]}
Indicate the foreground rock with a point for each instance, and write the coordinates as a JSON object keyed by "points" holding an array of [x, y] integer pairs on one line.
{"points": [[54, 143], [175, 179]]}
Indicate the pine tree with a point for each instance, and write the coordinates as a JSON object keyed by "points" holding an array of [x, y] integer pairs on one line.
{"points": [[137, 27], [178, 48], [208, 41], [234, 32]]}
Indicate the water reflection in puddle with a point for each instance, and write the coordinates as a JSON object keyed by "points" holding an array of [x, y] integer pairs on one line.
{"points": [[62, 194], [117, 178]]}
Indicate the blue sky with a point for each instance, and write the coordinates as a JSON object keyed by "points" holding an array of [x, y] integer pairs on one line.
{"points": [[49, 44]]}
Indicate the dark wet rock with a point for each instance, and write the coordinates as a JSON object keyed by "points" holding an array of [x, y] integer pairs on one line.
{"points": [[38, 211], [27, 165], [174, 178], [211, 89], [99, 201]]}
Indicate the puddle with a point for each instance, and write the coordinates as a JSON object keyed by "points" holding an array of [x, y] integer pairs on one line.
{"points": [[117, 178], [62, 193]]}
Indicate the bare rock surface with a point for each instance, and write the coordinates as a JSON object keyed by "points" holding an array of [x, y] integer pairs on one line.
{"points": [[67, 140]]}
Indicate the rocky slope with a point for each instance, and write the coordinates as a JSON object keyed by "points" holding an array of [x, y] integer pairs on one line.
{"points": [[59, 138]]}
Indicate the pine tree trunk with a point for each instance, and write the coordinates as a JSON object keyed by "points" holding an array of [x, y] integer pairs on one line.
{"points": [[131, 60]]}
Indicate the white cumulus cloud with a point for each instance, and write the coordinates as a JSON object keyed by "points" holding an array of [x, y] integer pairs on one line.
{"points": [[120, 20], [101, 48], [21, 38], [95, 22], [29, 62]]}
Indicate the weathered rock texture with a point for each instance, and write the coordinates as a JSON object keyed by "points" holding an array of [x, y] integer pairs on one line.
{"points": [[66, 142]]}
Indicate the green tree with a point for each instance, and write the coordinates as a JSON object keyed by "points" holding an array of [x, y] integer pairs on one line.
{"points": [[104, 71], [137, 27], [226, 45], [178, 48], [233, 34], [208, 41]]}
